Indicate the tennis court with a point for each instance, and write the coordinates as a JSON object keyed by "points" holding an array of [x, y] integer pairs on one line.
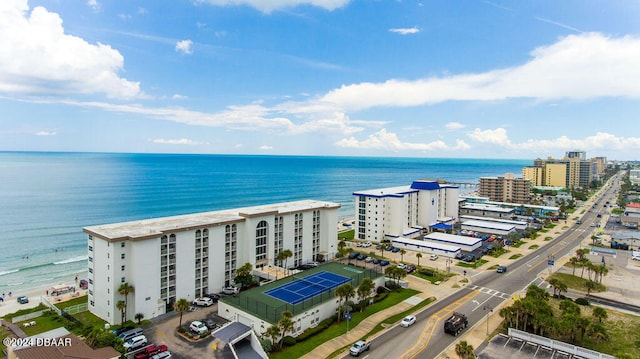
{"points": [[301, 289]]}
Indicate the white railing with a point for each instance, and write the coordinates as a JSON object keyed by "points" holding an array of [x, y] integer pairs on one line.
{"points": [[558, 345]]}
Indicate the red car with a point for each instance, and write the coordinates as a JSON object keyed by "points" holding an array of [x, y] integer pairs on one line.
{"points": [[150, 351]]}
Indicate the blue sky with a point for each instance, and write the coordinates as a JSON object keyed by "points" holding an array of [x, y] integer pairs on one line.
{"points": [[472, 79]]}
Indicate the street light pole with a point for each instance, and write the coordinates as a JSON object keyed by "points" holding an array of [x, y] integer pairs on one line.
{"points": [[490, 311]]}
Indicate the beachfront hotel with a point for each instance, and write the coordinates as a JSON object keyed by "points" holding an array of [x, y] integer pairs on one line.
{"points": [[406, 211], [188, 256]]}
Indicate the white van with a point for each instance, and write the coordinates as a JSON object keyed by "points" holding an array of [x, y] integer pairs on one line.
{"points": [[135, 332], [162, 355]]}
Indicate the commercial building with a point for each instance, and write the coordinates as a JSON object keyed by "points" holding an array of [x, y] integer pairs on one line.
{"points": [[505, 189], [519, 225], [465, 243], [430, 247], [487, 227], [486, 210], [572, 171], [631, 215], [404, 212], [187, 256]]}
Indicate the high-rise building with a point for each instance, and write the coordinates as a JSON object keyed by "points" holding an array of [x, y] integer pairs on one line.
{"points": [[505, 189], [404, 212], [188, 256], [534, 174], [582, 155]]}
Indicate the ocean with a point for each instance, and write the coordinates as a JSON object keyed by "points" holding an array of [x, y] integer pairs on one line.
{"points": [[47, 198]]}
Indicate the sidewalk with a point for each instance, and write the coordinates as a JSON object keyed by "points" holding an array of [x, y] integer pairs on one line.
{"points": [[427, 290]]}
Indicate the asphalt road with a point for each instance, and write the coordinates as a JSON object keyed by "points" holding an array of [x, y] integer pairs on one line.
{"points": [[486, 290]]}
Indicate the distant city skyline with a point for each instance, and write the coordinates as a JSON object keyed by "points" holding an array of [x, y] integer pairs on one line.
{"points": [[483, 79]]}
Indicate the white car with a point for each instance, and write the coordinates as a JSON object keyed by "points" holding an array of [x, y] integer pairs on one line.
{"points": [[135, 343], [198, 327], [230, 290], [408, 321], [203, 302], [433, 257], [635, 258], [402, 265], [366, 244]]}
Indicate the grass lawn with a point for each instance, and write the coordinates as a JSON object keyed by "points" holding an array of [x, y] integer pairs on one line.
{"points": [[346, 235], [518, 244], [44, 323], [338, 329], [498, 252], [72, 302], [543, 231], [495, 266], [473, 265], [548, 238], [515, 256], [535, 246], [432, 275], [575, 282]]}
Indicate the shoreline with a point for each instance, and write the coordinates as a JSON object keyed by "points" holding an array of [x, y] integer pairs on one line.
{"points": [[34, 294]]}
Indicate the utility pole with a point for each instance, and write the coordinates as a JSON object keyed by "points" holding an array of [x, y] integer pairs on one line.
{"points": [[490, 311]]}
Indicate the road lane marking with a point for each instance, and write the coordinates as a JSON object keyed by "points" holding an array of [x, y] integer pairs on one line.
{"points": [[435, 319]]}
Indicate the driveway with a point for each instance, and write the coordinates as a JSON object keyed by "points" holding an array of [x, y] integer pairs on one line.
{"points": [[163, 331]]}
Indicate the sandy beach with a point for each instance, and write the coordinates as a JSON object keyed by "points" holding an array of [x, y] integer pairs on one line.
{"points": [[11, 305]]}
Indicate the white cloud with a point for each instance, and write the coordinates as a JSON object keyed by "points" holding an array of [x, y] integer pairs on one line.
{"points": [[179, 97], [267, 6], [452, 126], [45, 133], [184, 46], [389, 141], [496, 137], [94, 4], [598, 143], [406, 31], [72, 66], [181, 141], [571, 68], [265, 148]]}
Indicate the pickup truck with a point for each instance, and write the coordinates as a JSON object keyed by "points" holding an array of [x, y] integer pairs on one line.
{"points": [[359, 347], [455, 323]]}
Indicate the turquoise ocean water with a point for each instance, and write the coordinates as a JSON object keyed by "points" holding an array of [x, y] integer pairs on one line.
{"points": [[46, 198]]}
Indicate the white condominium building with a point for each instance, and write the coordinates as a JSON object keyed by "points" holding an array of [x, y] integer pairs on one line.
{"points": [[188, 256], [404, 212]]}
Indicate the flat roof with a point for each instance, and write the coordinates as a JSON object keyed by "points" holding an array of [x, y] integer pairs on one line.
{"points": [[423, 244], [154, 227], [489, 225], [490, 219], [486, 207], [452, 238], [399, 191]]}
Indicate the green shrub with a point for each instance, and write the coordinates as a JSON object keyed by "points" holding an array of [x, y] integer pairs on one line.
{"points": [[380, 290], [181, 330], [289, 341], [582, 301], [380, 297], [267, 345], [312, 331]]}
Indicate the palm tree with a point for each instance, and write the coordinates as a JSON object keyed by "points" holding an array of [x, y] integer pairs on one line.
{"points": [[383, 244], [402, 253], [574, 263], [585, 262], [121, 307], [125, 289], [599, 313], [182, 305], [418, 255], [281, 256], [341, 246], [364, 291], [349, 251], [345, 292], [139, 317], [464, 350], [590, 285], [287, 254], [553, 282], [273, 332], [286, 323]]}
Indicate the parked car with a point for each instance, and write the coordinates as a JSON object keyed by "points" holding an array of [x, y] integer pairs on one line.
{"points": [[23, 299], [121, 330], [214, 297], [395, 250], [203, 302], [230, 290], [501, 269], [135, 343], [369, 259], [409, 268], [408, 321], [361, 257], [433, 257], [401, 265], [384, 262], [354, 255], [198, 327], [375, 261], [470, 258], [459, 255], [210, 323]]}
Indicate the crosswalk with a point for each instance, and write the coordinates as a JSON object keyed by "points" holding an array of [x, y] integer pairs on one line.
{"points": [[491, 292]]}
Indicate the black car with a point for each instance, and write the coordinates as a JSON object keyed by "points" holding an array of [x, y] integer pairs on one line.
{"points": [[121, 330], [361, 257], [210, 323], [214, 297], [354, 255]]}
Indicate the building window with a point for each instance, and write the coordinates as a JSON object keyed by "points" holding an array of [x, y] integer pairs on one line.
{"points": [[122, 280], [122, 256], [122, 245], [261, 241], [122, 268]]}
